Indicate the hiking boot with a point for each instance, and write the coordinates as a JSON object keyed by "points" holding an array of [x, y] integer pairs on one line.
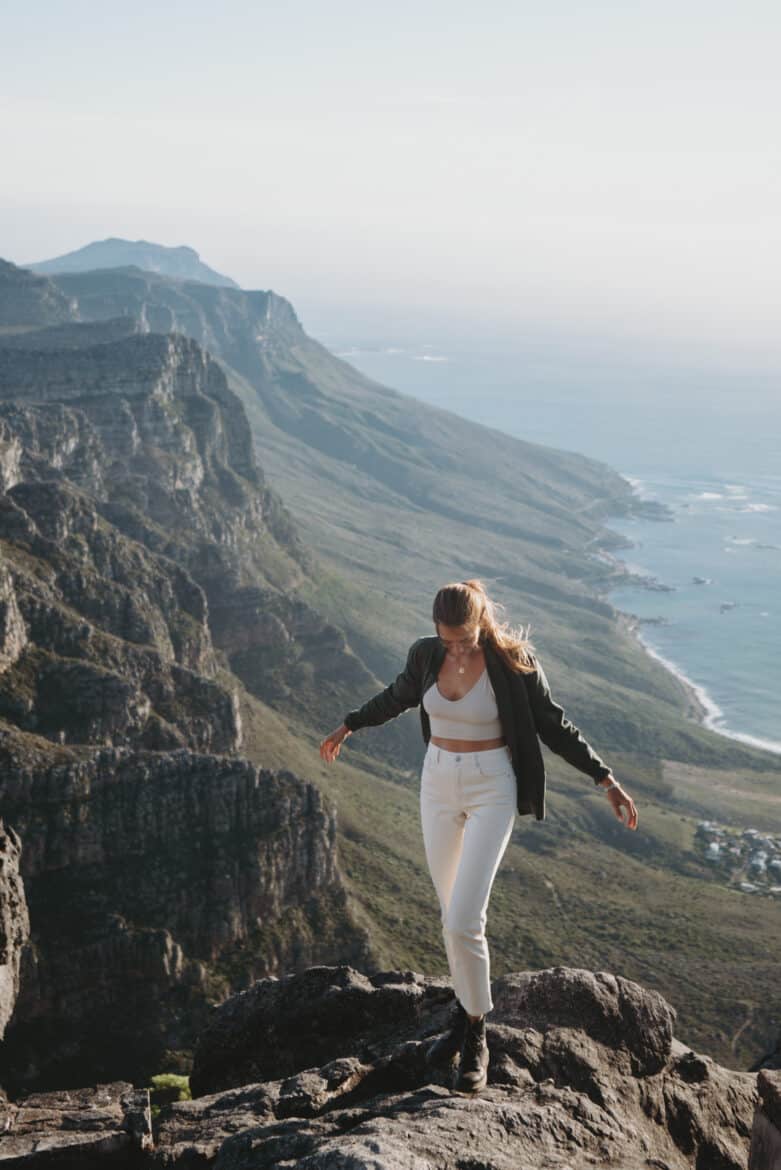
{"points": [[473, 1069], [448, 1046]]}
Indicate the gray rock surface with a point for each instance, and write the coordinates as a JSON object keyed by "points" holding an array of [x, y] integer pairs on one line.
{"points": [[613, 1088], [78, 1129], [14, 921]]}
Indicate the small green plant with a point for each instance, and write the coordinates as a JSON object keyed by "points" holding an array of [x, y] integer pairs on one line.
{"points": [[164, 1088]]}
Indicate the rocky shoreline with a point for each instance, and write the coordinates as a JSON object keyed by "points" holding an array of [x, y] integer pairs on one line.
{"points": [[632, 623], [696, 709]]}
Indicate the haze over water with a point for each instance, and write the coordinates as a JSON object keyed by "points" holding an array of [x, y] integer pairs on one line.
{"points": [[704, 443]]}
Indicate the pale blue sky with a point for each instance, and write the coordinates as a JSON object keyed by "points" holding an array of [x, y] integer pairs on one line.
{"points": [[608, 169]]}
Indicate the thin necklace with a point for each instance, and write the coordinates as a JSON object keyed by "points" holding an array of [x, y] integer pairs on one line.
{"points": [[462, 669]]}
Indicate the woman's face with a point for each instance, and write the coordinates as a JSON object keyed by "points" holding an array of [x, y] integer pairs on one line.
{"points": [[459, 641]]}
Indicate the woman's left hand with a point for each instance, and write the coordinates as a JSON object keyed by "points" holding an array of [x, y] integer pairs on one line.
{"points": [[620, 800]]}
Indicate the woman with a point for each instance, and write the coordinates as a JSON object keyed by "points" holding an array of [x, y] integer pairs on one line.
{"points": [[484, 702]]}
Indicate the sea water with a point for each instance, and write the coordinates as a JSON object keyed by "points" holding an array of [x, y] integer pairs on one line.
{"points": [[706, 444], [719, 625]]}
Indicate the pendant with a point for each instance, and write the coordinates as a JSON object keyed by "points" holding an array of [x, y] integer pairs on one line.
{"points": [[462, 670]]}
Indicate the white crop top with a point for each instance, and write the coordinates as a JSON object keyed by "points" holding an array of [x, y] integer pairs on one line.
{"points": [[474, 716]]}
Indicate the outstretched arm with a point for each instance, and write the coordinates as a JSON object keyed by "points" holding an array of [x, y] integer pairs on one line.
{"points": [[403, 692]]}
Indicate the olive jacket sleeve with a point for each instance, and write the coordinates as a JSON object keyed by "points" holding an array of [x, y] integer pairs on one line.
{"points": [[403, 692], [557, 732]]}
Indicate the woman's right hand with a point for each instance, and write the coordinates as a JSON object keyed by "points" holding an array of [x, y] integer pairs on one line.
{"points": [[331, 745]]}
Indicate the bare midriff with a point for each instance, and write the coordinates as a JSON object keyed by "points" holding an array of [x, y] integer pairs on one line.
{"points": [[467, 745]]}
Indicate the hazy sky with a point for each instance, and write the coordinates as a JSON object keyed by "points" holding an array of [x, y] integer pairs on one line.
{"points": [[612, 168]]}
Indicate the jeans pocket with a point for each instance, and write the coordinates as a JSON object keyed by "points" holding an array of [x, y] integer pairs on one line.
{"points": [[428, 771], [498, 765]]}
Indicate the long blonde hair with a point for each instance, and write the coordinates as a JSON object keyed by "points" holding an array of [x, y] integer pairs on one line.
{"points": [[466, 603]]}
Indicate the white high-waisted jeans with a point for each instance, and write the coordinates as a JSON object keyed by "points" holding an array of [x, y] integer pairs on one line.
{"points": [[467, 810]]}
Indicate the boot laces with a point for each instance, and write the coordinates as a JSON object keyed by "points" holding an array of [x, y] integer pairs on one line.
{"points": [[473, 1041]]}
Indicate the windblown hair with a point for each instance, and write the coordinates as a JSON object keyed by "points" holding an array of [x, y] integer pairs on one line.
{"points": [[466, 603]]}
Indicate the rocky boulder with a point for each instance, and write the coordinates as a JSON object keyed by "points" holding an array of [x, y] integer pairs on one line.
{"points": [[585, 1071]]}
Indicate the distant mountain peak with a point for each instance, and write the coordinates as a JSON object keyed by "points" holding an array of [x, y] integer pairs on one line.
{"points": [[179, 261]]}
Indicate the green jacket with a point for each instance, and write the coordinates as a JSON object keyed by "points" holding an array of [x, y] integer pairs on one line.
{"points": [[527, 713]]}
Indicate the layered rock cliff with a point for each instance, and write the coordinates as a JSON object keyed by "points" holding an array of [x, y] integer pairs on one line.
{"points": [[28, 301], [14, 921], [156, 882], [131, 460]]}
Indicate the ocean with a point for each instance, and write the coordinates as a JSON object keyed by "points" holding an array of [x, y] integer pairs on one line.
{"points": [[720, 624], [705, 443]]}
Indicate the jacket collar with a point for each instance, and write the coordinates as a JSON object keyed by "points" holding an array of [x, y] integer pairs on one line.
{"points": [[497, 674]]}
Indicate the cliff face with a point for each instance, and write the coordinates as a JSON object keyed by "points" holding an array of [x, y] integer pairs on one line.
{"points": [[235, 325], [142, 558], [131, 461], [105, 640], [29, 301], [14, 921], [155, 881]]}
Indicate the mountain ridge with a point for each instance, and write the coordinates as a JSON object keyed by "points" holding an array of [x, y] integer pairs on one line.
{"points": [[181, 262]]}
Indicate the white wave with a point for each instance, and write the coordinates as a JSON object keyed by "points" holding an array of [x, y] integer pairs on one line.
{"points": [[640, 488], [758, 508], [709, 496], [712, 709], [429, 357], [713, 712], [768, 745]]}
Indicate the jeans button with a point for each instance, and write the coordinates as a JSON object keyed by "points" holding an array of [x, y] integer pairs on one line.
{"points": [[458, 759]]}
